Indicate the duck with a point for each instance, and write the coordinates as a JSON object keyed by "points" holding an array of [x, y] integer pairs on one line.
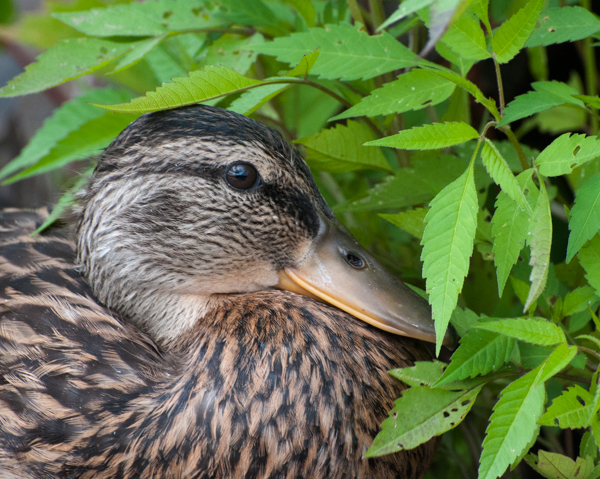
{"points": [[205, 316]]}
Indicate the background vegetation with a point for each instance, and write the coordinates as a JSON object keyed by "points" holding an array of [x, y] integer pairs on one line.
{"points": [[480, 174]]}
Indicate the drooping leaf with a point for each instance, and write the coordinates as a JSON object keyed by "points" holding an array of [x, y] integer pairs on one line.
{"points": [[463, 64], [585, 216], [567, 152], [412, 91], [89, 139], [592, 101], [151, 18], [411, 221], [589, 258], [420, 414], [429, 137], [569, 410], [512, 424], [448, 246], [406, 8], [510, 225], [540, 243], [346, 53], [479, 353], [65, 61], [499, 170], [566, 24], [547, 94], [536, 331], [340, 149], [69, 117], [423, 373], [466, 38], [512, 34], [201, 85]]}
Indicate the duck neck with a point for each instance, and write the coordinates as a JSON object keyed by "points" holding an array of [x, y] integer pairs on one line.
{"points": [[166, 317]]}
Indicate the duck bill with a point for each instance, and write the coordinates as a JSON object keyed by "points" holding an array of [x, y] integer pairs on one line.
{"points": [[339, 271]]}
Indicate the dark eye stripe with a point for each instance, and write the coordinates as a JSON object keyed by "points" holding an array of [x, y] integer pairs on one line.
{"points": [[241, 176]]}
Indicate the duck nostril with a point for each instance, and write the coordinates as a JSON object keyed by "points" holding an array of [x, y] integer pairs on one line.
{"points": [[354, 260]]}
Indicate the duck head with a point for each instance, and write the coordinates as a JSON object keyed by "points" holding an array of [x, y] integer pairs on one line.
{"points": [[188, 205]]}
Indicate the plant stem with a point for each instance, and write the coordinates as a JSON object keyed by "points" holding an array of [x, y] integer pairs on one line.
{"points": [[355, 11], [589, 351], [500, 85], [377, 13], [591, 80], [516, 145]]}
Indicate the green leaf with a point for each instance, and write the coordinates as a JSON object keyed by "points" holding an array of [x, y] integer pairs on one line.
{"points": [[231, 52], [65, 61], [467, 86], [567, 152], [253, 99], [69, 117], [566, 24], [578, 300], [510, 225], [512, 424], [420, 414], [499, 170], [585, 216], [429, 137], [249, 12], [540, 243], [152, 18], [305, 9], [441, 15], [466, 38], [448, 246], [139, 51], [556, 362], [567, 410], [65, 201], [423, 373], [547, 94], [412, 221], [589, 258], [340, 149], [557, 466], [536, 331], [88, 140], [463, 319], [592, 101], [479, 353], [346, 53], [201, 85], [406, 8], [412, 91], [512, 34]]}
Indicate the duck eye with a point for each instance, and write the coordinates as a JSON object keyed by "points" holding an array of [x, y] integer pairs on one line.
{"points": [[242, 176], [354, 260]]}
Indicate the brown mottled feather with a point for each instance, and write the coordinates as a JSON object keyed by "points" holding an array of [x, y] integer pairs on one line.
{"points": [[252, 394], [268, 384]]}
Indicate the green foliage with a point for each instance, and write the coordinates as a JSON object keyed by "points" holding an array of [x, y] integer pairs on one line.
{"points": [[466, 209]]}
